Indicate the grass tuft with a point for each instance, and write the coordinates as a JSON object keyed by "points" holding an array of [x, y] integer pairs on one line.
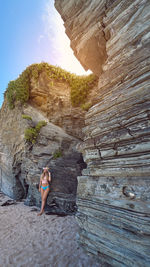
{"points": [[32, 133]]}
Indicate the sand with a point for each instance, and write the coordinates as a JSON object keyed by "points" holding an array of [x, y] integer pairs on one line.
{"points": [[30, 240]]}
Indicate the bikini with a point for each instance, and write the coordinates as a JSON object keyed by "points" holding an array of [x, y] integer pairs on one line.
{"points": [[44, 181], [44, 187]]}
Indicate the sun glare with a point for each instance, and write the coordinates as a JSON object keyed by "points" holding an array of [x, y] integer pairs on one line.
{"points": [[61, 53]]}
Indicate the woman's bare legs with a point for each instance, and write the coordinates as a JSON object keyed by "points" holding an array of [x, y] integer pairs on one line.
{"points": [[44, 194]]}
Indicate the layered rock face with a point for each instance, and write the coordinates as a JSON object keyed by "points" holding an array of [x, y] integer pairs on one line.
{"points": [[84, 26], [52, 96], [21, 162], [114, 191]]}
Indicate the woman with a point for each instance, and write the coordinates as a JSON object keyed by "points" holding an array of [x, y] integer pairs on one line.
{"points": [[44, 187]]}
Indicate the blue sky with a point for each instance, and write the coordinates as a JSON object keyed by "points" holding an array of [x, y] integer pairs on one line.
{"points": [[32, 31]]}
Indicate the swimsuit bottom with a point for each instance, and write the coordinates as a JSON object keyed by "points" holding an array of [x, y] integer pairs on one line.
{"points": [[44, 187]]}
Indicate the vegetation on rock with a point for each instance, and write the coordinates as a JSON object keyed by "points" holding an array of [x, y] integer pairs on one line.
{"points": [[32, 133], [57, 154], [40, 124], [86, 106], [18, 90], [27, 117]]}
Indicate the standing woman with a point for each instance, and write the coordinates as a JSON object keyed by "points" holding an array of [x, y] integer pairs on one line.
{"points": [[44, 187]]}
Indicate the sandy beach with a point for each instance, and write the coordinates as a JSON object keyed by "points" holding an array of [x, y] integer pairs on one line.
{"points": [[30, 240]]}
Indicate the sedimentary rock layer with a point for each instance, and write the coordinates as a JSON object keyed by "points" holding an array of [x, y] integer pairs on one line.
{"points": [[114, 190], [50, 96], [84, 26]]}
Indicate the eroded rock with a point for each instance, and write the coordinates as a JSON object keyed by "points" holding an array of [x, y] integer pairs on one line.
{"points": [[52, 98], [113, 191], [22, 162]]}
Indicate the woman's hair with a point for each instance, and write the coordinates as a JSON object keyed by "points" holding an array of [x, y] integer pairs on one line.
{"points": [[46, 173]]}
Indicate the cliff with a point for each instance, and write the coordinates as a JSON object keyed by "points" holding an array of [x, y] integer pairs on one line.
{"points": [[52, 98], [112, 39], [40, 127]]}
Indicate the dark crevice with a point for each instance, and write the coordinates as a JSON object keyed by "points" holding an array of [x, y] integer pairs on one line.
{"points": [[26, 187], [81, 163]]}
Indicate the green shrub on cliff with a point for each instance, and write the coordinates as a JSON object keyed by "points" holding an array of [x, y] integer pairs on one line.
{"points": [[32, 133], [27, 117], [86, 106], [80, 88], [10, 94], [18, 90], [39, 125], [57, 154]]}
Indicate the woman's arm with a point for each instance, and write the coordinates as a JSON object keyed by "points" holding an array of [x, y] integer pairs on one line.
{"points": [[49, 177], [40, 183]]}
